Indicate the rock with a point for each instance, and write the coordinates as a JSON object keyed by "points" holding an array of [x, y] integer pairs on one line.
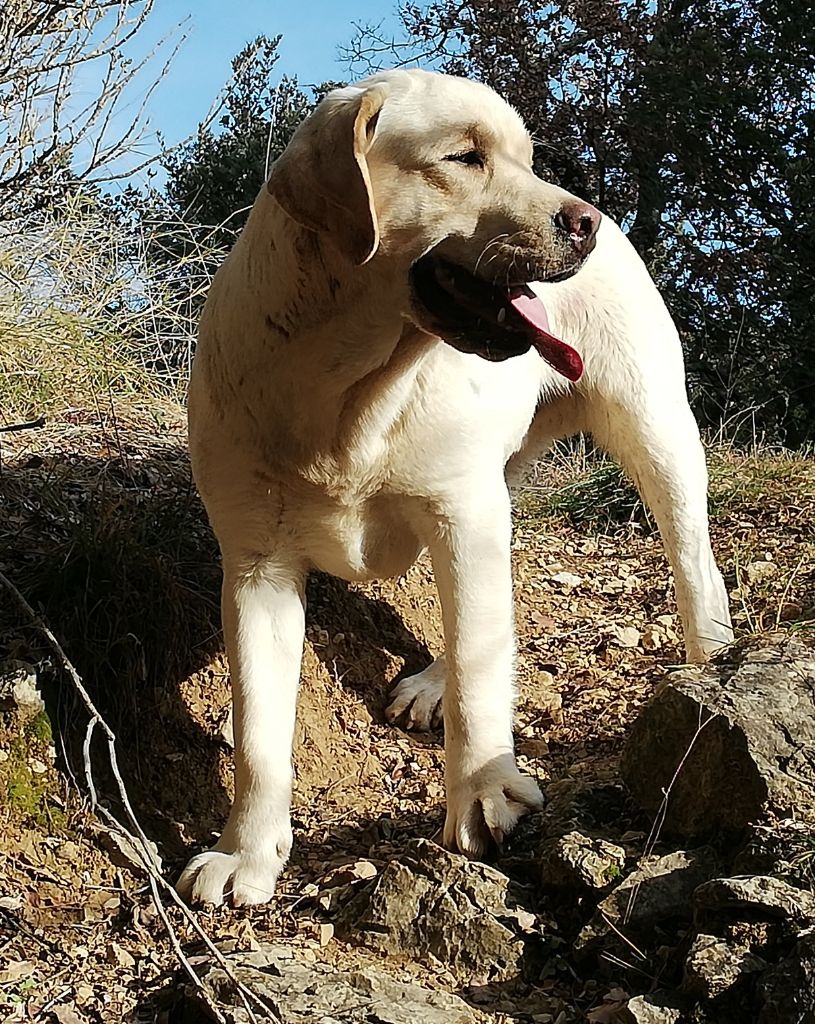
{"points": [[576, 860], [18, 689], [788, 990], [762, 894], [729, 741], [431, 903], [714, 966], [659, 890], [655, 1008], [314, 993]]}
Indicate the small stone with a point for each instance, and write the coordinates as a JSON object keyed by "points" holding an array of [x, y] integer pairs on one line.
{"points": [[714, 966], [578, 860], [120, 956], [18, 689], [654, 1008], [83, 994], [37, 766], [226, 731], [756, 572], [660, 889], [762, 893]]}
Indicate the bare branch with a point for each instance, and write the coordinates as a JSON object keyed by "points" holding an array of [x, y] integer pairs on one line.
{"points": [[137, 838]]}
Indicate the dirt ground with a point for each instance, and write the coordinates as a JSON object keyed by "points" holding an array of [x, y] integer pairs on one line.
{"points": [[101, 530]]}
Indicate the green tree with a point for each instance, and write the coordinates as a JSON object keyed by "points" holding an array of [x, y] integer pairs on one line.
{"points": [[213, 180], [690, 122]]}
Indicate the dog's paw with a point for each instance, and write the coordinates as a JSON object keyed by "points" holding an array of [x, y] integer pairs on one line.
{"points": [[485, 806], [416, 702], [216, 876]]}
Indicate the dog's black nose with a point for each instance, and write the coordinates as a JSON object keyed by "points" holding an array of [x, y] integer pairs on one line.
{"points": [[580, 222]]}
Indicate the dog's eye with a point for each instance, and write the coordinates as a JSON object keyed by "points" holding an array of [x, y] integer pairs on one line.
{"points": [[471, 157]]}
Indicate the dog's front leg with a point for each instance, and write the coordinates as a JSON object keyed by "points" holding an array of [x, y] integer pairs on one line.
{"points": [[656, 439], [486, 794], [263, 609]]}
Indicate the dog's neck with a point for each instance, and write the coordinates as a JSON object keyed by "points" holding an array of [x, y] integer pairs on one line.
{"points": [[318, 332]]}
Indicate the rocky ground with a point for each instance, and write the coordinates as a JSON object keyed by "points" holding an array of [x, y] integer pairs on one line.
{"points": [[602, 908]]}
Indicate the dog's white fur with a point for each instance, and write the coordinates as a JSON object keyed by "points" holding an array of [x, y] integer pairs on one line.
{"points": [[329, 430]]}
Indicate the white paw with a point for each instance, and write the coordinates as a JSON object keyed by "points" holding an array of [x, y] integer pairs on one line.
{"points": [[416, 702], [244, 880], [486, 805]]}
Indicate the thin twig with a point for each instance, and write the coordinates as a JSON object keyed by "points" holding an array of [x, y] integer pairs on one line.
{"points": [[138, 839]]}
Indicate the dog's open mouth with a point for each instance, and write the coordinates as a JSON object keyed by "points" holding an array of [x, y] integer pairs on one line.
{"points": [[493, 321]]}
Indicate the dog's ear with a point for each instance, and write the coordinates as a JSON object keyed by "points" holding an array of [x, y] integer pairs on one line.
{"points": [[322, 181]]}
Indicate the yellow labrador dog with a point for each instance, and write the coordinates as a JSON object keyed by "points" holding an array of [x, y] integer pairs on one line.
{"points": [[409, 314]]}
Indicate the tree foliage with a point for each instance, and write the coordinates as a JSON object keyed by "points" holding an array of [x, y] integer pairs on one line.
{"points": [[214, 179], [691, 122]]}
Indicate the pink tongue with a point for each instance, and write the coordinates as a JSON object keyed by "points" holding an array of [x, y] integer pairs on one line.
{"points": [[557, 353]]}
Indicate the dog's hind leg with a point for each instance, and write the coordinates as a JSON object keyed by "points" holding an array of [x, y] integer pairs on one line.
{"points": [[263, 609], [655, 437], [416, 701]]}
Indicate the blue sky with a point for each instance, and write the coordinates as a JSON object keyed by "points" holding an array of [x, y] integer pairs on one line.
{"points": [[312, 30]]}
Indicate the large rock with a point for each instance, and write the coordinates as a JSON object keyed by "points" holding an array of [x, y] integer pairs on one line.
{"points": [[714, 966], [433, 904], [314, 993], [728, 742], [661, 889], [760, 895]]}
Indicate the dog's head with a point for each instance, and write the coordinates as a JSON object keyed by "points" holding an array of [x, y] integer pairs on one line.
{"points": [[434, 175]]}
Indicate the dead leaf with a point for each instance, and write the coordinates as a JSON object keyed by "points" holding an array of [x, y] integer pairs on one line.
{"points": [[67, 1015], [567, 579], [608, 1013], [543, 622], [16, 970], [626, 636]]}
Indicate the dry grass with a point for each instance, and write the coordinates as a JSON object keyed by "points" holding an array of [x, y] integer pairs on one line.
{"points": [[97, 311]]}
